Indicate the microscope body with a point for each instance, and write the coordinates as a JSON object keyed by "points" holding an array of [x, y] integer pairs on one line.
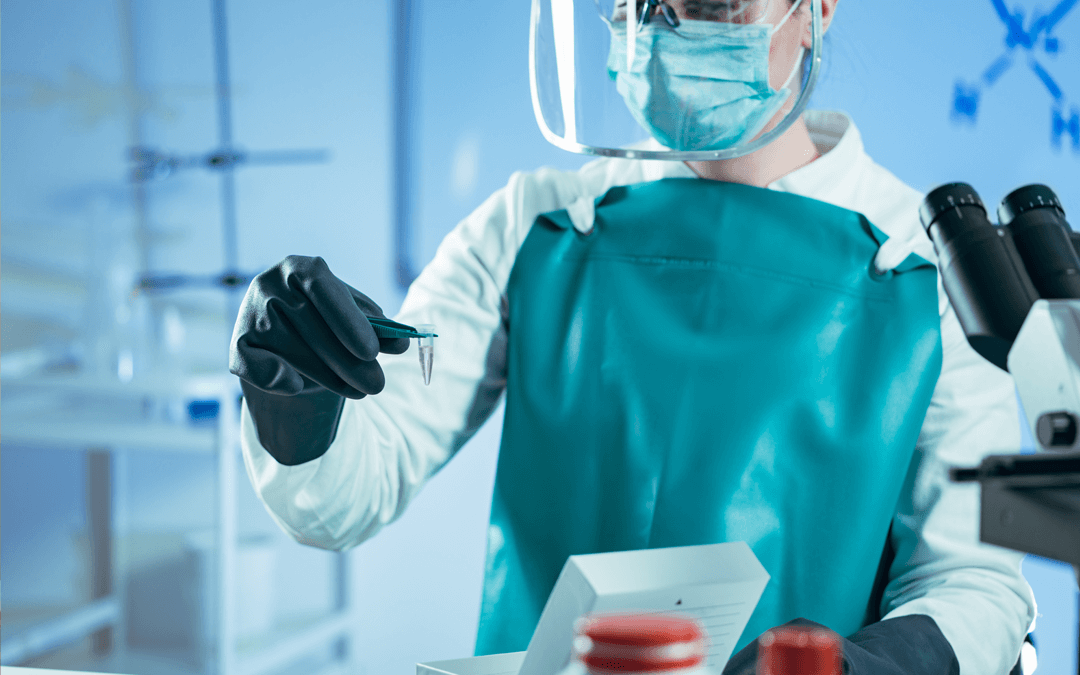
{"points": [[1016, 291], [1031, 503], [1045, 364]]}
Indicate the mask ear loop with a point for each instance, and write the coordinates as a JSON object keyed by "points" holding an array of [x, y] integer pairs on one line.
{"points": [[802, 50], [631, 33], [795, 68], [753, 131], [786, 17]]}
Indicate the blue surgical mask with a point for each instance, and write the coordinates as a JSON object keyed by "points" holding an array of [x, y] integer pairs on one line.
{"points": [[702, 86]]}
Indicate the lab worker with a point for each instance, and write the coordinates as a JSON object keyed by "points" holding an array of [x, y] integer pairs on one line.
{"points": [[731, 329]]}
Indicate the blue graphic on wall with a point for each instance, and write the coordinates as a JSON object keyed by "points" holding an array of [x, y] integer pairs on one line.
{"points": [[1028, 44]]}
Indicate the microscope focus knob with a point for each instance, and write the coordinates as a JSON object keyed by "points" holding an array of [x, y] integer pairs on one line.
{"points": [[1057, 430]]}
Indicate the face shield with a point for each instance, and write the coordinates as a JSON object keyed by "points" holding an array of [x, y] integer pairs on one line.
{"points": [[666, 79]]}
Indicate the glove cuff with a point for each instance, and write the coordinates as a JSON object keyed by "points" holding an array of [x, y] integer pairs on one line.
{"points": [[906, 645], [902, 645], [294, 429]]}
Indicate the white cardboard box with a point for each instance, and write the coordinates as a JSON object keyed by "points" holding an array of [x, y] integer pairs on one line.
{"points": [[496, 664], [717, 584]]}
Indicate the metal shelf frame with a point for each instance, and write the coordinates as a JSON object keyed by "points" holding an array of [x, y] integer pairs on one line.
{"points": [[103, 615], [62, 428]]}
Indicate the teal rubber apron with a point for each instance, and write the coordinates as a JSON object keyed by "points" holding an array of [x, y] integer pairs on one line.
{"points": [[712, 362]]}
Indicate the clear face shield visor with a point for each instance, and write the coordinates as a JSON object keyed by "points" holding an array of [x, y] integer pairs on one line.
{"points": [[681, 80]]}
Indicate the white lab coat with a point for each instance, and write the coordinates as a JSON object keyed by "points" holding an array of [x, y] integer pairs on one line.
{"points": [[389, 445]]}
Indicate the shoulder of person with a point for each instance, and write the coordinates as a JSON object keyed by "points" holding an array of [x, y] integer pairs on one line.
{"points": [[532, 193], [893, 206], [890, 203], [556, 188]]}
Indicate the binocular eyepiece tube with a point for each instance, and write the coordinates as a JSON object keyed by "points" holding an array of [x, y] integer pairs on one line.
{"points": [[994, 273]]}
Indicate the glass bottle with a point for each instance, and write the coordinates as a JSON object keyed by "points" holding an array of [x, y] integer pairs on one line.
{"points": [[799, 650]]}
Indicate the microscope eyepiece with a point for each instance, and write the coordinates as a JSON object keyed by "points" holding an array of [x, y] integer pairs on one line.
{"points": [[1036, 219], [1027, 198], [980, 269], [947, 197]]}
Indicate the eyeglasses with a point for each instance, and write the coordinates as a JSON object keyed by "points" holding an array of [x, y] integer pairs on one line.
{"points": [[723, 11], [653, 7]]}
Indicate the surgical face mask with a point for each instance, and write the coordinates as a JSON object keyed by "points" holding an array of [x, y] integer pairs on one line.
{"points": [[702, 86]]}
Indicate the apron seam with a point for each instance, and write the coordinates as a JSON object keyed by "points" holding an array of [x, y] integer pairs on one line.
{"points": [[704, 263]]}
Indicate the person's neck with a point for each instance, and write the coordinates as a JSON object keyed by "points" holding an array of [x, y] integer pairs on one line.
{"points": [[777, 159]]}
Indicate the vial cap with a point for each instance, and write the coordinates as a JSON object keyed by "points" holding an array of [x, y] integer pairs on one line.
{"points": [[637, 643], [799, 650], [643, 630]]}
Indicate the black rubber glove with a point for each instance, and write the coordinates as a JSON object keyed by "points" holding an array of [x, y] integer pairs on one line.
{"points": [[906, 645], [301, 345]]}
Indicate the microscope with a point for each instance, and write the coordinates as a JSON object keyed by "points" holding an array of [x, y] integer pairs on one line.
{"points": [[1015, 288]]}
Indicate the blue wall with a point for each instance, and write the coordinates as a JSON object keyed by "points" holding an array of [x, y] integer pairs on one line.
{"points": [[900, 85], [318, 76]]}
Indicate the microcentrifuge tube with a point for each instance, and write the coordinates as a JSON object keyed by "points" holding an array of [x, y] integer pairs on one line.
{"points": [[427, 349]]}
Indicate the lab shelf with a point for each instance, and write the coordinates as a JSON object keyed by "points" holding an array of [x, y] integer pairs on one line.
{"points": [[11, 670], [127, 662], [76, 411], [60, 630], [208, 386], [101, 416], [50, 432], [64, 411]]}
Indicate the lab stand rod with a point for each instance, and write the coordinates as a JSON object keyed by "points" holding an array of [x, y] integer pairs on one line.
{"points": [[228, 446], [43, 432], [223, 91], [132, 88], [99, 515], [404, 55], [62, 630], [205, 386], [343, 572], [221, 74], [230, 247], [228, 219]]}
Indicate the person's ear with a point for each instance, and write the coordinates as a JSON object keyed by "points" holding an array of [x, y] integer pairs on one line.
{"points": [[828, 7]]}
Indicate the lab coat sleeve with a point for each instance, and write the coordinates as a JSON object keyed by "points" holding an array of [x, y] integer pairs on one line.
{"points": [[389, 444], [973, 591]]}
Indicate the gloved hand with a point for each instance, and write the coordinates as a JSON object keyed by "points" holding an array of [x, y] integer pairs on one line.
{"points": [[906, 645], [301, 345]]}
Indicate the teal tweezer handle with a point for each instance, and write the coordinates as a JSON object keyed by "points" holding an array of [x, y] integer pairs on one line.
{"points": [[385, 328]]}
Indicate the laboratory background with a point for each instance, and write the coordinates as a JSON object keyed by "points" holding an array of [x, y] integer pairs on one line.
{"points": [[156, 155]]}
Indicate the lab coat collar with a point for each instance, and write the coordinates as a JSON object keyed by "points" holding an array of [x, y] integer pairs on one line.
{"points": [[841, 148]]}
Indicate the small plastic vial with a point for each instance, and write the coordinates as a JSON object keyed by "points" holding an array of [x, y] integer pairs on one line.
{"points": [[427, 349], [799, 650], [638, 644]]}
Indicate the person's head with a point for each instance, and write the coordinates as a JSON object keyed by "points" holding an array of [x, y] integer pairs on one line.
{"points": [[795, 31], [792, 40], [707, 79]]}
